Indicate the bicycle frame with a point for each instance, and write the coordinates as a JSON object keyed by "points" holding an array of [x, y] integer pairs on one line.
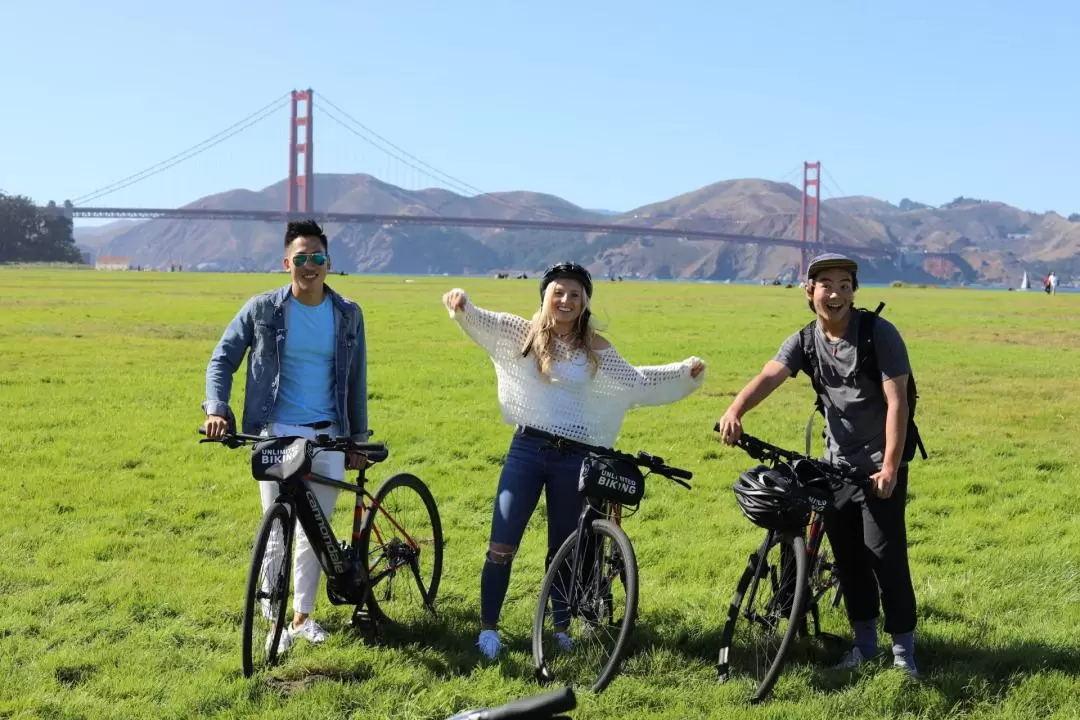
{"points": [[593, 509], [297, 494]]}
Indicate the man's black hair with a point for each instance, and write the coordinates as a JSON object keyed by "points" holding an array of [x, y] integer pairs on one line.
{"points": [[305, 228]]}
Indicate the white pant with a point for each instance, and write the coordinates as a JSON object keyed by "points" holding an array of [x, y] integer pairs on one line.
{"points": [[330, 464]]}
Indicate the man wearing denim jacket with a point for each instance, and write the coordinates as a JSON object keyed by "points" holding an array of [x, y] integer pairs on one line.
{"points": [[306, 374]]}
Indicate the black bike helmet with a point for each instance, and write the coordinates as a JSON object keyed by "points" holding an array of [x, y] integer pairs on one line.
{"points": [[772, 498], [567, 270]]}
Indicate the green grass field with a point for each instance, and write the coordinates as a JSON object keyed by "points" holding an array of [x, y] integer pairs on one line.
{"points": [[126, 544]]}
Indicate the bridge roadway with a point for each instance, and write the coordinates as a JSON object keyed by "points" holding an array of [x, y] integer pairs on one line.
{"points": [[437, 220]]}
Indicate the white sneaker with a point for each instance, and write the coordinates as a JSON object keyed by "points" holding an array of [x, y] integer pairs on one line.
{"points": [[900, 662], [852, 659], [284, 642], [311, 631], [489, 644]]}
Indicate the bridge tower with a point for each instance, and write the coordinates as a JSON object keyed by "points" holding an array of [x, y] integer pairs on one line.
{"points": [[809, 230], [301, 142]]}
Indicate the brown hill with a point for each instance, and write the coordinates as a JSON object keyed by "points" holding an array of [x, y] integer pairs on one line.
{"points": [[992, 242]]}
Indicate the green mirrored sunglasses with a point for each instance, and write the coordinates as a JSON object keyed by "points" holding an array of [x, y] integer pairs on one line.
{"points": [[300, 259]]}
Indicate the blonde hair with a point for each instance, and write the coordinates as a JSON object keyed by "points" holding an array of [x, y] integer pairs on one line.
{"points": [[540, 340]]}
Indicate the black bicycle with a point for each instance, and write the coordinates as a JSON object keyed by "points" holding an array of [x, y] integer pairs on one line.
{"points": [[547, 706], [790, 572], [381, 545], [592, 569]]}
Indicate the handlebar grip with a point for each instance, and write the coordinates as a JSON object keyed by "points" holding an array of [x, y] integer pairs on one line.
{"points": [[537, 706], [674, 472]]}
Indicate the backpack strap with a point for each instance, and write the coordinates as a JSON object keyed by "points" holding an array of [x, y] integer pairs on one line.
{"points": [[813, 370], [865, 350], [866, 361]]}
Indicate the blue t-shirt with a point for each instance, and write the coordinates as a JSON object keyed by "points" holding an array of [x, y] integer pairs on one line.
{"points": [[306, 394]]}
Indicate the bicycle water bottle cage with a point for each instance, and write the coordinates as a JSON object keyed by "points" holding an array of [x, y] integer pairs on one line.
{"points": [[280, 459], [613, 479]]}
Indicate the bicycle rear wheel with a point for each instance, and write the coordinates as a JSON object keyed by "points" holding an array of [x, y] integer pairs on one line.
{"points": [[596, 608], [267, 589], [771, 598], [401, 533]]}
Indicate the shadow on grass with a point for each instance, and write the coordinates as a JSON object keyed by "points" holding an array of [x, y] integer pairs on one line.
{"points": [[446, 645], [964, 673]]}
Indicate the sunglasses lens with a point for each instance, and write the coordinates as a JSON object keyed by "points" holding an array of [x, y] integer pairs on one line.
{"points": [[300, 259]]}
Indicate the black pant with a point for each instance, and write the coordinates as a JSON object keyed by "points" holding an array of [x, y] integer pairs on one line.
{"points": [[869, 541]]}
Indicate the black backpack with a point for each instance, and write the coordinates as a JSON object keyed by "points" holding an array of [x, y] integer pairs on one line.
{"points": [[865, 362]]}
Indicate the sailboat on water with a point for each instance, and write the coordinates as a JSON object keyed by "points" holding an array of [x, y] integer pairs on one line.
{"points": [[1024, 284]]}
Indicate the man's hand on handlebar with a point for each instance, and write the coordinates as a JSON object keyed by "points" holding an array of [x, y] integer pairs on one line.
{"points": [[729, 427], [216, 426], [356, 461]]}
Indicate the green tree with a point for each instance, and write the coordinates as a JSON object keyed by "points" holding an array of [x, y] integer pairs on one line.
{"points": [[27, 235]]}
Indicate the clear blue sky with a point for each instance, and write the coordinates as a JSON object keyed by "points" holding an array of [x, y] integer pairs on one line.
{"points": [[607, 104]]}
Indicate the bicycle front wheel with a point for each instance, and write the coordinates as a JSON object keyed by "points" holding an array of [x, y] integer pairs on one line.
{"points": [[584, 619], [771, 599], [401, 545], [267, 589]]}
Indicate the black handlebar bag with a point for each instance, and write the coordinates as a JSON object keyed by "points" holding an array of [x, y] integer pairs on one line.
{"points": [[281, 459], [613, 479]]}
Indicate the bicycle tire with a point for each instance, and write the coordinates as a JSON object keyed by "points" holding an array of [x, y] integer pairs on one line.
{"points": [[630, 585], [403, 480], [280, 513], [748, 582]]}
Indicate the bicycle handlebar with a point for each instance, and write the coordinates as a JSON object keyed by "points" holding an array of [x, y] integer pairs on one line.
{"points": [[537, 707], [656, 464], [375, 452], [652, 463], [763, 451]]}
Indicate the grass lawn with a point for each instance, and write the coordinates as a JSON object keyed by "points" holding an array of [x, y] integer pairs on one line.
{"points": [[126, 544]]}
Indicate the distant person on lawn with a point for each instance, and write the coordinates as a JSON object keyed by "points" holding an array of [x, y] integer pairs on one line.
{"points": [[306, 374], [866, 426], [556, 378]]}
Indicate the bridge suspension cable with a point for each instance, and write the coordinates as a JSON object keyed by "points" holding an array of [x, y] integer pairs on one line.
{"points": [[237, 127], [459, 186], [449, 179]]}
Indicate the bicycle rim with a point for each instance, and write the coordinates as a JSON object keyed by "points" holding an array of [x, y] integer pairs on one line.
{"points": [[765, 612], [266, 598], [601, 612], [401, 545]]}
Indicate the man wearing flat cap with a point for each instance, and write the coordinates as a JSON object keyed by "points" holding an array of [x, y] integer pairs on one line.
{"points": [[866, 411]]}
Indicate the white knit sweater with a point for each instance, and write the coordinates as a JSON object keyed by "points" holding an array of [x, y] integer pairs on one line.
{"points": [[572, 404]]}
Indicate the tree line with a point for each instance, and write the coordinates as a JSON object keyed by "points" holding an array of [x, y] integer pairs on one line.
{"points": [[29, 235]]}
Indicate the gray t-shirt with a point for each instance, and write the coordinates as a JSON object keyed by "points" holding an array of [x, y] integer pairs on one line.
{"points": [[855, 408]]}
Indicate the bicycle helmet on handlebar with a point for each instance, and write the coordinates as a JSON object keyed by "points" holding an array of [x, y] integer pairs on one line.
{"points": [[773, 499]]}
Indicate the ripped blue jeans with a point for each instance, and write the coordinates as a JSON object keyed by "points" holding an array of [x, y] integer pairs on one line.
{"points": [[530, 468]]}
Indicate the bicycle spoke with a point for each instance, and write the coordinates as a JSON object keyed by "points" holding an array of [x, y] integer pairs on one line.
{"points": [[402, 540]]}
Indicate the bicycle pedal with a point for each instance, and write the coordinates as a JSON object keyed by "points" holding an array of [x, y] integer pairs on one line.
{"points": [[364, 620]]}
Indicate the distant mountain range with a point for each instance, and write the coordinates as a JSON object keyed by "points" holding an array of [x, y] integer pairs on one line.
{"points": [[987, 242]]}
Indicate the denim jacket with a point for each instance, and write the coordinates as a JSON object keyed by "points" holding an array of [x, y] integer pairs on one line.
{"points": [[260, 327]]}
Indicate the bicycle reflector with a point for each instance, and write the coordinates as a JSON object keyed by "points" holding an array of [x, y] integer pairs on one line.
{"points": [[280, 459]]}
